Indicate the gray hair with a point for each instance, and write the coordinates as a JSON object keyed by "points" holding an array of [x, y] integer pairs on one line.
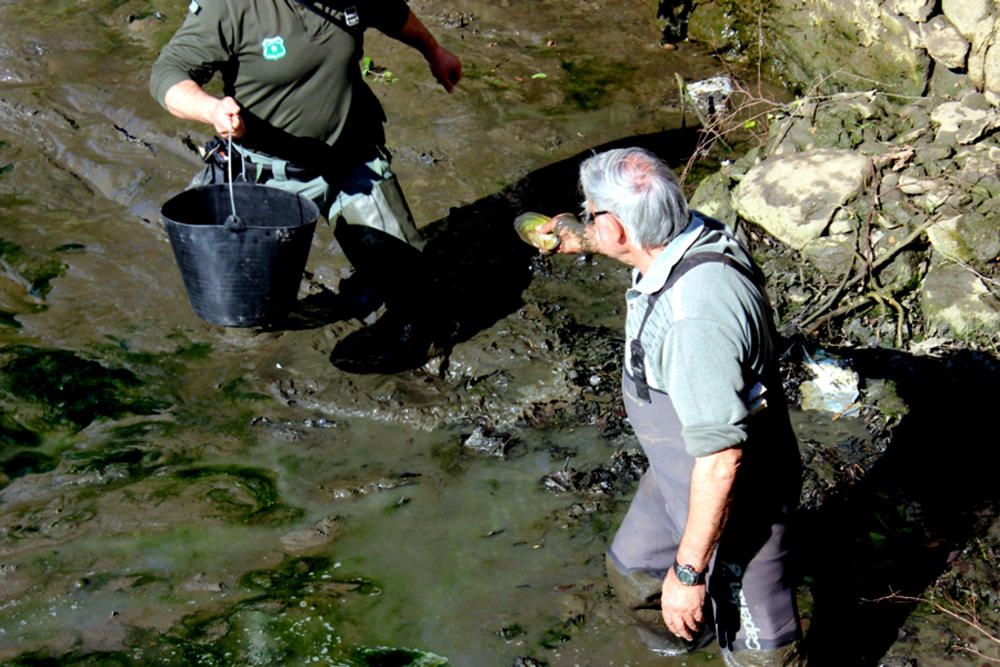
{"points": [[640, 190]]}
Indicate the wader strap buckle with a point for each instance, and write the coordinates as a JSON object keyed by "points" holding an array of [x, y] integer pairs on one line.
{"points": [[212, 151], [278, 170], [639, 370], [347, 19]]}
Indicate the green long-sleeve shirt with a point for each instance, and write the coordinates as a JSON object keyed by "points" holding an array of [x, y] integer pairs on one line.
{"points": [[707, 340], [284, 64]]}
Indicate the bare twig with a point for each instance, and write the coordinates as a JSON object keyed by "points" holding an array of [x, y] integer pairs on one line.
{"points": [[860, 276], [971, 622], [969, 649]]}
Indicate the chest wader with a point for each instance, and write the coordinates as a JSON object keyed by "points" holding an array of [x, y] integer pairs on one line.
{"points": [[752, 608]]}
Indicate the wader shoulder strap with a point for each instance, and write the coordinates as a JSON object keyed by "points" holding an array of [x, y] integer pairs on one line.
{"points": [[686, 264], [346, 19], [683, 266]]}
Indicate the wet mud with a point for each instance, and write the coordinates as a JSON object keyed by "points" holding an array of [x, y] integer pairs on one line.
{"points": [[179, 493]]}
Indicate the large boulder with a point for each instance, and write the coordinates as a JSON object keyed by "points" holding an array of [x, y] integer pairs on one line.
{"points": [[915, 10], [969, 237], [837, 45], [963, 122], [955, 300], [966, 15], [794, 197], [714, 199], [944, 42]]}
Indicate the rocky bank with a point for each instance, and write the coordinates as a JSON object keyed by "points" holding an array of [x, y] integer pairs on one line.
{"points": [[881, 178]]}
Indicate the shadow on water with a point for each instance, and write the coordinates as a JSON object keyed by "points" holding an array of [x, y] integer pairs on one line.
{"points": [[483, 266], [932, 492], [479, 267]]}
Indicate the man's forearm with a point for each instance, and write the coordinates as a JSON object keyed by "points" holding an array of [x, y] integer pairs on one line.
{"points": [[187, 100], [712, 482], [445, 66], [414, 33]]}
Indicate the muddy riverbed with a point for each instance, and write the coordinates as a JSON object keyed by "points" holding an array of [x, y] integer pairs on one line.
{"points": [[177, 493]]}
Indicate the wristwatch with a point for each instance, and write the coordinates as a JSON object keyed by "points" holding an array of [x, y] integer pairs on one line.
{"points": [[687, 575]]}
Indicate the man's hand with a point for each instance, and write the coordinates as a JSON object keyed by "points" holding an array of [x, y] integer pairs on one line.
{"points": [[572, 236], [226, 118], [683, 607], [446, 67], [185, 99]]}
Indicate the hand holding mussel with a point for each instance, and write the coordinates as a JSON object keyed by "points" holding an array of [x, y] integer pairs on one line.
{"points": [[528, 226]]}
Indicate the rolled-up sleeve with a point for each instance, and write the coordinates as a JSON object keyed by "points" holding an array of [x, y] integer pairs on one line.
{"points": [[199, 48], [705, 381]]}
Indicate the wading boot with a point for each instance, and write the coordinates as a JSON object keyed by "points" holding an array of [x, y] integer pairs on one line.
{"points": [[638, 593], [784, 656], [392, 344], [357, 297]]}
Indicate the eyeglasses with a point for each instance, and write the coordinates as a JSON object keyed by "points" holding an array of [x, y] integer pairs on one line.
{"points": [[588, 217]]}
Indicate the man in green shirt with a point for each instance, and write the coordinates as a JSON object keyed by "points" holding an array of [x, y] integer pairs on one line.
{"points": [[305, 121], [703, 546]]}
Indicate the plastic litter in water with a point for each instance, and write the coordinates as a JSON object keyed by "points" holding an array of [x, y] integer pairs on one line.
{"points": [[834, 388], [710, 95]]}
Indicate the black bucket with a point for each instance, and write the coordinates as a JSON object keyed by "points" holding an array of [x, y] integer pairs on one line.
{"points": [[246, 271]]}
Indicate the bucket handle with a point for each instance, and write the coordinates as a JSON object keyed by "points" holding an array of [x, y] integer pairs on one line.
{"points": [[233, 222]]}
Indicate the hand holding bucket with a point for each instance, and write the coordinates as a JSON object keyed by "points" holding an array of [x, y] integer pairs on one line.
{"points": [[240, 271]]}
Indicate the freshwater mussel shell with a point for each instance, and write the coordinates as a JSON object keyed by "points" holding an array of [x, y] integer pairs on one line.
{"points": [[526, 225]]}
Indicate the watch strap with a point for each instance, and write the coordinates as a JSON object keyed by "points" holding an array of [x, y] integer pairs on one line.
{"points": [[689, 576]]}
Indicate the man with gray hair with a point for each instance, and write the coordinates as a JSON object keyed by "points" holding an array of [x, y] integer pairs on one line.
{"points": [[703, 546]]}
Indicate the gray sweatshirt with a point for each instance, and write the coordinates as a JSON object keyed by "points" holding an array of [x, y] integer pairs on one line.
{"points": [[707, 340]]}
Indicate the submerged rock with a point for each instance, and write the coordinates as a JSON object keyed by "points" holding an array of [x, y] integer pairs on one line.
{"points": [[622, 470], [485, 441], [318, 535]]}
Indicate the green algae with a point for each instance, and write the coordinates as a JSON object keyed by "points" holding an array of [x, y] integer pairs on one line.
{"points": [[109, 659], [8, 319], [27, 462], [14, 434], [70, 390], [235, 390], [561, 632], [397, 657], [586, 82], [135, 459], [257, 483], [36, 272], [294, 577], [289, 620]]}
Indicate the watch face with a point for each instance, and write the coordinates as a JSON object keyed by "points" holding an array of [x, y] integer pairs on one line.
{"points": [[686, 575]]}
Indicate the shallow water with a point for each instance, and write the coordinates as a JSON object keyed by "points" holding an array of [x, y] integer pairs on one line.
{"points": [[178, 494]]}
